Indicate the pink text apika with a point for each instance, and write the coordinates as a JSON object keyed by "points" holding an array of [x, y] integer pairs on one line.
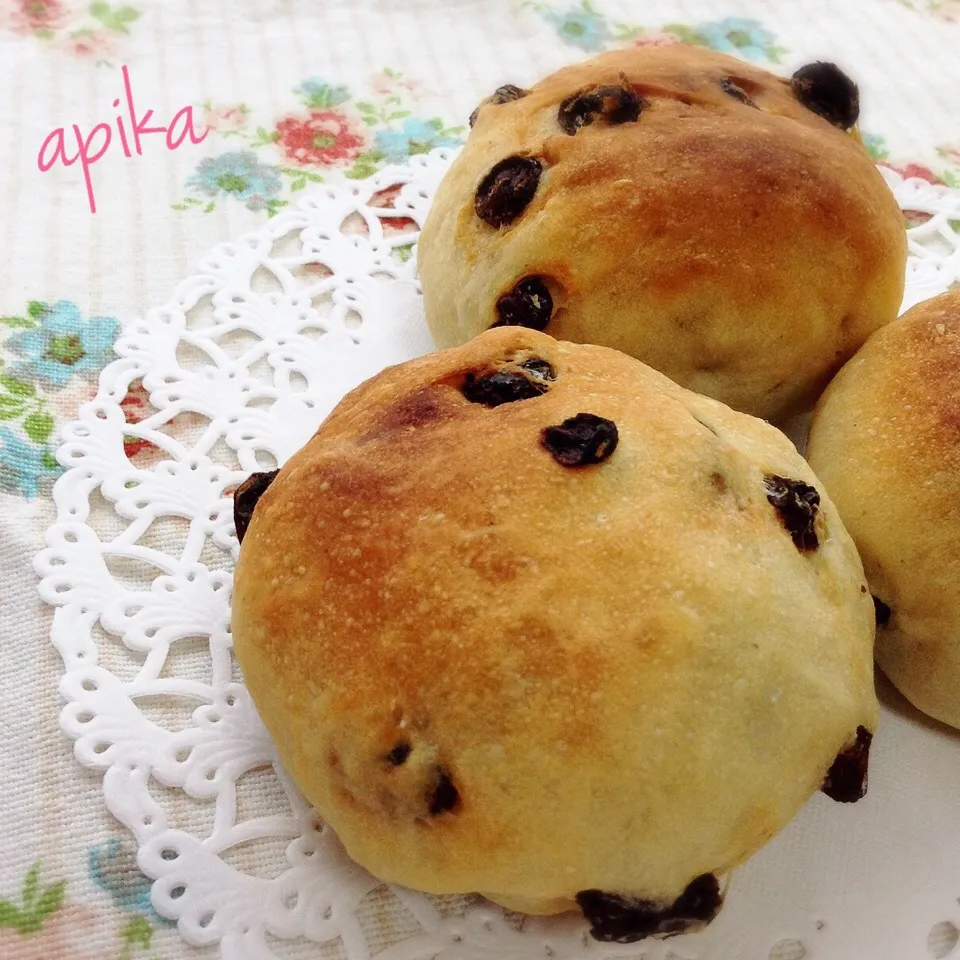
{"points": [[131, 129]]}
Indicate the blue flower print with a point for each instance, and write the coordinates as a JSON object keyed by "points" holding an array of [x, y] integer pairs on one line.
{"points": [[416, 136], [63, 344], [237, 174], [113, 867], [317, 94], [876, 146], [740, 36], [581, 26], [24, 465]]}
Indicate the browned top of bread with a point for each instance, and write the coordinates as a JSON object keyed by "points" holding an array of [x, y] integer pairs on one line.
{"points": [[728, 236], [888, 430]]}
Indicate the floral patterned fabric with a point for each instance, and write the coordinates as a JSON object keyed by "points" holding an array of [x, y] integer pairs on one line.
{"points": [[326, 128], [290, 96]]}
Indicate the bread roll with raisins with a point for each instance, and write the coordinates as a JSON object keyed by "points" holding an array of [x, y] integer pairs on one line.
{"points": [[720, 223], [526, 618], [886, 441]]}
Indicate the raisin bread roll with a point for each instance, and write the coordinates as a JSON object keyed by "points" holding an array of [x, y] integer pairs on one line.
{"points": [[522, 611], [722, 224], [886, 441]]}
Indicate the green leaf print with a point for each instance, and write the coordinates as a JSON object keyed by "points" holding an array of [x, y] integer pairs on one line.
{"points": [[685, 33], [776, 54], [23, 322], [33, 910], [10, 408], [115, 19], [137, 933], [49, 902], [36, 309], [364, 166], [373, 115], [265, 137], [368, 113], [9, 914], [17, 388], [298, 174], [624, 31], [38, 426], [30, 883], [186, 203]]}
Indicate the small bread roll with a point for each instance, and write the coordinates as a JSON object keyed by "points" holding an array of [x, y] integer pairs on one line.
{"points": [[885, 440], [526, 618], [720, 223]]}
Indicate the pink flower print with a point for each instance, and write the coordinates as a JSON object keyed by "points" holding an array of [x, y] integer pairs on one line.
{"points": [[226, 119], [37, 16], [948, 10], [656, 39], [88, 43], [951, 154], [390, 82], [908, 170], [324, 137]]}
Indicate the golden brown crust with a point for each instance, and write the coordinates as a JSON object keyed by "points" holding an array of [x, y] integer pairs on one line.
{"points": [[886, 442], [745, 251], [628, 672]]}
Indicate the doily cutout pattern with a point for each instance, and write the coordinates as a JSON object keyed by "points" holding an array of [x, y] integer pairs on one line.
{"points": [[233, 375]]}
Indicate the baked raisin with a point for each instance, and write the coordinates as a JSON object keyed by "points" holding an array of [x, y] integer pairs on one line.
{"points": [[506, 190], [581, 440], [246, 497], [538, 368], [797, 503], [882, 612], [846, 780], [529, 304], [578, 111], [504, 94], [826, 90], [615, 104], [444, 796], [398, 755], [738, 93], [504, 386], [616, 919]]}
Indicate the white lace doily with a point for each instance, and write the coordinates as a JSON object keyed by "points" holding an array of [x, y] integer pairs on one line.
{"points": [[239, 368]]}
